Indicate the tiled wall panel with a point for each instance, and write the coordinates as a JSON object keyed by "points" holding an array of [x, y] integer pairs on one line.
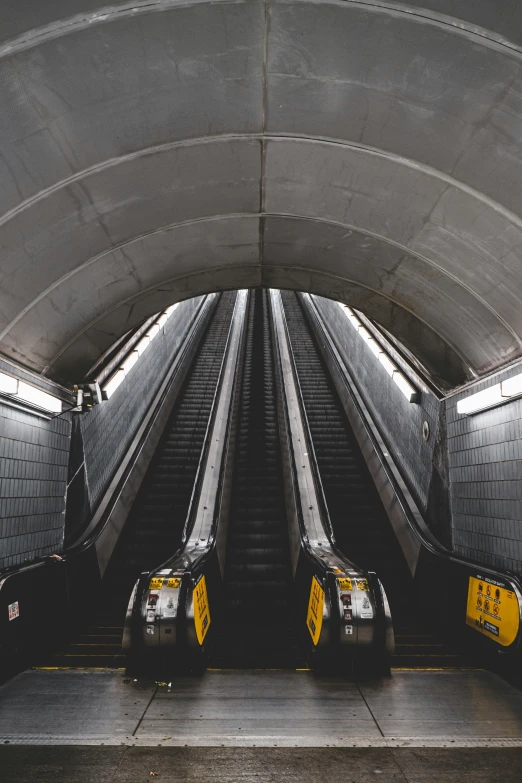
{"points": [[485, 458], [34, 454]]}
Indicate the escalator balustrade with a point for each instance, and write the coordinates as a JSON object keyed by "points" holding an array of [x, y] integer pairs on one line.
{"points": [[359, 521], [155, 524]]}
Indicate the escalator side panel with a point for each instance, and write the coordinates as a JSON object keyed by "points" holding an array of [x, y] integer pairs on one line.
{"points": [[155, 524], [359, 521]]}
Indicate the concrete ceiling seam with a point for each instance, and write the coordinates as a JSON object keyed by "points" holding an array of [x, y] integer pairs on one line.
{"points": [[331, 290], [171, 227], [108, 14], [304, 279], [235, 137], [284, 162], [316, 76], [226, 137], [260, 266], [129, 128]]}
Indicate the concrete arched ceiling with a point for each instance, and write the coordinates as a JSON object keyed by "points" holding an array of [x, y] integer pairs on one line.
{"points": [[367, 151]]}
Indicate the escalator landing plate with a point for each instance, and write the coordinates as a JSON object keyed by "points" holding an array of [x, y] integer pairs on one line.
{"points": [[262, 708]]}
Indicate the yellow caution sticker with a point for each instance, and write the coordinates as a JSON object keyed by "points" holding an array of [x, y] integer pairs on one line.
{"points": [[156, 583], [362, 584], [492, 610], [201, 610], [337, 571], [314, 618], [174, 582], [344, 582]]}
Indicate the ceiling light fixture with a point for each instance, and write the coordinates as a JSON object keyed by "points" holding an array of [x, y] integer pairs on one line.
{"points": [[16, 390], [137, 350], [491, 397], [409, 391]]}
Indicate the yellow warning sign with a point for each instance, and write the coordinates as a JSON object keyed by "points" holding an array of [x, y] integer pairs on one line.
{"points": [[314, 619], [156, 583], [362, 584], [493, 610], [201, 610], [174, 582], [344, 582]]}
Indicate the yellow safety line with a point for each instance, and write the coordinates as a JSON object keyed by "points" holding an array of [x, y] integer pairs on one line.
{"points": [[257, 669], [75, 668], [436, 668], [394, 669]]}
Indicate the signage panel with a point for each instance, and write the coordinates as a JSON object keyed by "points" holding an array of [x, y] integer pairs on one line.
{"points": [[493, 610], [201, 610], [314, 619]]}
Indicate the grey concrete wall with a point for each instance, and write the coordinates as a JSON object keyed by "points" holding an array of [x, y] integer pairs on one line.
{"points": [[34, 454], [485, 457], [108, 429], [469, 473], [398, 420]]}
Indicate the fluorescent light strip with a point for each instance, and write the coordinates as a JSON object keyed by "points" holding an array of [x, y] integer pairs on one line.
{"points": [[22, 392], [491, 397], [391, 368], [128, 362]]}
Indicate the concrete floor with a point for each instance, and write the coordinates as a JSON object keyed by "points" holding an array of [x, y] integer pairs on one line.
{"points": [[64, 764], [472, 709], [246, 726]]}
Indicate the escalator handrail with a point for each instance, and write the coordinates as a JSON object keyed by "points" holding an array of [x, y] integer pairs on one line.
{"points": [[82, 542], [429, 542], [206, 551], [323, 559], [325, 514], [106, 504]]}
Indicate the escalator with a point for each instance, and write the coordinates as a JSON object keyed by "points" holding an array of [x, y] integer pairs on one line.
{"points": [[259, 626], [360, 524], [231, 525], [155, 524]]}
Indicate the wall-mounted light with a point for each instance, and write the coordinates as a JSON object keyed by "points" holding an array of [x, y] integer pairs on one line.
{"points": [[491, 397], [409, 391], [116, 378], [27, 395]]}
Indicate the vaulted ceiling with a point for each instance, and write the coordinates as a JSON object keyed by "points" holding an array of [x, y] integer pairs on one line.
{"points": [[366, 151]]}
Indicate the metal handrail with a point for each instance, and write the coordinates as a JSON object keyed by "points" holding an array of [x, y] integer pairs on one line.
{"points": [[81, 544], [425, 537], [85, 541], [332, 556], [434, 546], [201, 469]]}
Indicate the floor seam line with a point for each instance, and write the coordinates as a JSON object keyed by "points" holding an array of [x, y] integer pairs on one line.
{"points": [[154, 692], [369, 709], [394, 756], [120, 762]]}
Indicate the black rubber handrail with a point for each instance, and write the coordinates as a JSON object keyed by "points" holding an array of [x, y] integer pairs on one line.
{"points": [[433, 546], [192, 336], [202, 466], [81, 546], [325, 516]]}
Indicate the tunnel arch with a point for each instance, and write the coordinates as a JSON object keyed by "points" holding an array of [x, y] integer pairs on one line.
{"points": [[369, 152]]}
